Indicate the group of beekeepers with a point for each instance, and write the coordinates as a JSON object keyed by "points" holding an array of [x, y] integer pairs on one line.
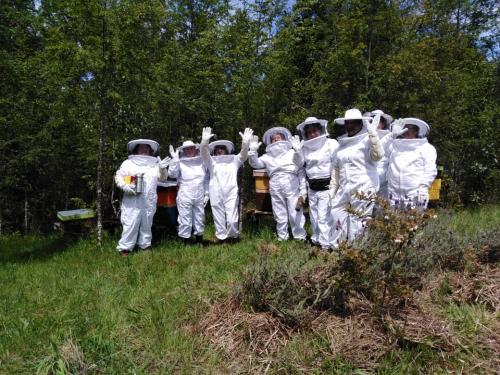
{"points": [[375, 155]]}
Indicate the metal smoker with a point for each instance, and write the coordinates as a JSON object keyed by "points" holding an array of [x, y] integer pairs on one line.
{"points": [[139, 183]]}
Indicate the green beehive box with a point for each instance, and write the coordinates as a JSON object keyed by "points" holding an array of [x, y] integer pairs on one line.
{"points": [[80, 214]]}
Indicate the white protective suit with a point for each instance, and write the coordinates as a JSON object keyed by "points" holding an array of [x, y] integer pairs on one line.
{"points": [[192, 178], [355, 171], [411, 171], [137, 211], [382, 163], [286, 183], [223, 186], [318, 155]]}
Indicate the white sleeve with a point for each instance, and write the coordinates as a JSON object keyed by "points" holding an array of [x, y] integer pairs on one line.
{"points": [[430, 168], [174, 170], [254, 160], [298, 159], [376, 149], [243, 155], [334, 179], [120, 177]]}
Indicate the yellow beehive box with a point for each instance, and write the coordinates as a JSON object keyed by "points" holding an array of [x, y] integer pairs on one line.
{"points": [[435, 190], [261, 181]]}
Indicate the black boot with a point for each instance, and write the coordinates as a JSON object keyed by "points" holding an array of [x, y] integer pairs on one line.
{"points": [[186, 241], [199, 239]]}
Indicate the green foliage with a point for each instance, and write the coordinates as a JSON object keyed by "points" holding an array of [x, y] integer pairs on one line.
{"points": [[166, 69], [386, 265], [72, 308]]}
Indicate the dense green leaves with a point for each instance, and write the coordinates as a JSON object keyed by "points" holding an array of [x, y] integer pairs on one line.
{"points": [[166, 69]]}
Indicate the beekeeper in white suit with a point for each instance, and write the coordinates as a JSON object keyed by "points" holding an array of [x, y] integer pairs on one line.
{"points": [[138, 207], [316, 152], [286, 180], [223, 168], [354, 172], [382, 130], [190, 171], [412, 164]]}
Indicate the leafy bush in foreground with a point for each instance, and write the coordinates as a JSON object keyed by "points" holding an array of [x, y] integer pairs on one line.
{"points": [[386, 266]]}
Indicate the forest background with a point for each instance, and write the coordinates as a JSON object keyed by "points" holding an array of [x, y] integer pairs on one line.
{"points": [[81, 78]]}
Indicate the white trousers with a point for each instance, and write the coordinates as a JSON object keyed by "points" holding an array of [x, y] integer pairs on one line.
{"points": [[321, 217], [285, 192], [225, 213], [348, 226], [191, 217], [136, 224]]}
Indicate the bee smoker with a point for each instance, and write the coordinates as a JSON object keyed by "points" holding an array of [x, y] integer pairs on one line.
{"points": [[139, 183]]}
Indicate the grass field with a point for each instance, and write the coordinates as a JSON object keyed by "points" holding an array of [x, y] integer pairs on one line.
{"points": [[72, 308]]}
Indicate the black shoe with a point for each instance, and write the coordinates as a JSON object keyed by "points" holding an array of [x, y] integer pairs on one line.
{"points": [[185, 241], [199, 239]]}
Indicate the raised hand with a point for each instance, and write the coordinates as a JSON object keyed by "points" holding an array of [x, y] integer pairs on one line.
{"points": [[297, 143], [373, 125], [397, 128], [206, 134], [174, 153], [246, 136], [254, 143], [165, 163]]}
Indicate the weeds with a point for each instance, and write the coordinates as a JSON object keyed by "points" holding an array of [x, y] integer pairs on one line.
{"points": [[374, 296]]}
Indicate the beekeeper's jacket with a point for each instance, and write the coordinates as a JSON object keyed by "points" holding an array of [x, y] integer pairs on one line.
{"points": [[137, 211]]}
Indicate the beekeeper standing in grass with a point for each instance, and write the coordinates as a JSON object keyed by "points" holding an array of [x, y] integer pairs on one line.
{"points": [[316, 152], [191, 174], [412, 163], [137, 178], [354, 173], [286, 181], [223, 168]]}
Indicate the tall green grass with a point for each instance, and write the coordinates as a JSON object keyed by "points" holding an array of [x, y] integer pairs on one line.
{"points": [[123, 314], [70, 307]]}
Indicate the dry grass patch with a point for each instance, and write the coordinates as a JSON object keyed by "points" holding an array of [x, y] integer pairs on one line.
{"points": [[233, 330]]}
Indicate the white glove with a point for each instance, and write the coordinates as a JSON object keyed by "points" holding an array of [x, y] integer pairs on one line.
{"points": [[165, 163], [372, 126], [128, 189], [206, 134], [397, 128], [206, 198], [297, 143], [246, 136], [174, 153], [255, 144]]}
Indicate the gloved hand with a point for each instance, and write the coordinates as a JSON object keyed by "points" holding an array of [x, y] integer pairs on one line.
{"points": [[246, 136], [174, 153], [255, 144], [129, 189], [165, 163], [297, 143], [206, 198], [397, 128], [206, 134], [372, 125]]}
